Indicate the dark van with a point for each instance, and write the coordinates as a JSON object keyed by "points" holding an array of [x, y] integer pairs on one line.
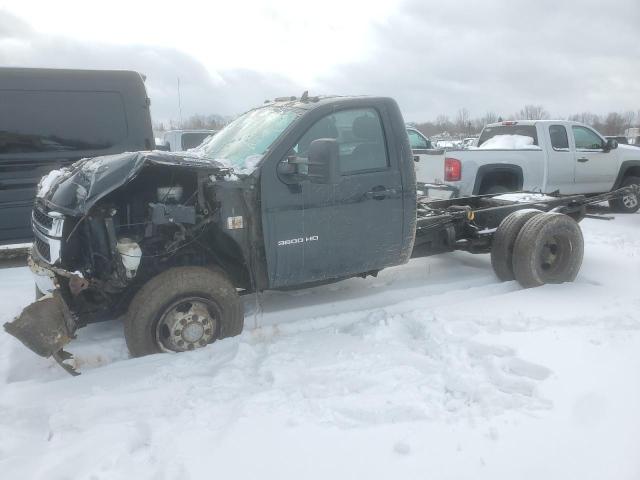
{"points": [[49, 118]]}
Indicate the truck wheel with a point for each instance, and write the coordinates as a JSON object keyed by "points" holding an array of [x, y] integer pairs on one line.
{"points": [[182, 309], [548, 249], [504, 240], [628, 203]]}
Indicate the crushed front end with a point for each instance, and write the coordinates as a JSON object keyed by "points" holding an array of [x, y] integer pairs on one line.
{"points": [[107, 225]]}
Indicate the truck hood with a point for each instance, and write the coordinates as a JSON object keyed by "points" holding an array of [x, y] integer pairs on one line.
{"points": [[74, 190]]}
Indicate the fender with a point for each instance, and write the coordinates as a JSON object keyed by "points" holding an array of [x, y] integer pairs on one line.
{"points": [[624, 168], [490, 168]]}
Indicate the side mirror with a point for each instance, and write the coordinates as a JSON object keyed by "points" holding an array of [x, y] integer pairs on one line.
{"points": [[323, 161], [320, 166], [611, 144]]}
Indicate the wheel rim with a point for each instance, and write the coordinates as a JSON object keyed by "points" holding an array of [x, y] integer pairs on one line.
{"points": [[187, 324], [549, 255], [554, 254], [630, 201]]}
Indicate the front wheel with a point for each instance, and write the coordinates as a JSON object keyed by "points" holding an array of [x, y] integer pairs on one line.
{"points": [[182, 309], [628, 203]]}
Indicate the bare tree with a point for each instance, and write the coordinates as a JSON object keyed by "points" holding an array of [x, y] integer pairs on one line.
{"points": [[490, 117], [479, 123], [614, 124], [533, 112], [463, 122], [587, 118], [629, 118]]}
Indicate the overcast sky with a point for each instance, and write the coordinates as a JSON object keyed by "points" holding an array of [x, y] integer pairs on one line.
{"points": [[433, 57]]}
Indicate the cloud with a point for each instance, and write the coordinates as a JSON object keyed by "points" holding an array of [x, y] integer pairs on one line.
{"points": [[225, 93], [437, 57], [434, 57]]}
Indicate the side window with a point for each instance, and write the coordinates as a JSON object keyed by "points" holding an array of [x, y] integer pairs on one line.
{"points": [[559, 138], [34, 121], [586, 139], [359, 135], [416, 140]]}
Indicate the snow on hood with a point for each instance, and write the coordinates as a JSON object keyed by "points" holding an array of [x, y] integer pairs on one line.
{"points": [[509, 142], [49, 180]]}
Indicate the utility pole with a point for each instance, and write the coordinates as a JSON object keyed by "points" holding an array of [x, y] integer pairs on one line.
{"points": [[179, 103]]}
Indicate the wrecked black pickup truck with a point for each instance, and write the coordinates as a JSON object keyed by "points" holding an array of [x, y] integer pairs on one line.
{"points": [[294, 193]]}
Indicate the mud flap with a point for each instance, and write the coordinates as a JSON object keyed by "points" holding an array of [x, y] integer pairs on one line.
{"points": [[45, 326]]}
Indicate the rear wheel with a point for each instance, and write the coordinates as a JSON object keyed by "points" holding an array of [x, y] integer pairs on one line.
{"points": [[182, 309], [504, 240], [548, 249], [628, 203]]}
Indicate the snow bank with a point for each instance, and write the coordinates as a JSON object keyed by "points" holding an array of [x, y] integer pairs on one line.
{"points": [[433, 366], [509, 142]]}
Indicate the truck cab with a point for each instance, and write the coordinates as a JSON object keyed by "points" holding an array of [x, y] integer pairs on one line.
{"points": [[292, 193]]}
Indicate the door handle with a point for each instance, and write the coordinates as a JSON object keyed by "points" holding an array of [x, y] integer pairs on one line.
{"points": [[380, 192], [583, 159]]}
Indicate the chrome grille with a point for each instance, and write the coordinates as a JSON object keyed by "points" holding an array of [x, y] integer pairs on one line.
{"points": [[47, 230], [43, 249], [42, 218]]}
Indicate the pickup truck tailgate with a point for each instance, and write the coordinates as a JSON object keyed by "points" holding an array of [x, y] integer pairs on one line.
{"points": [[429, 165]]}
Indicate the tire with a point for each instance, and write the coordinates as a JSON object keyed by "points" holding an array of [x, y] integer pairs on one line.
{"points": [[548, 249], [504, 240], [166, 293], [628, 203]]}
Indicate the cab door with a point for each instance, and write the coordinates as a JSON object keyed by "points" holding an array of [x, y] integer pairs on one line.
{"points": [[595, 167], [355, 226]]}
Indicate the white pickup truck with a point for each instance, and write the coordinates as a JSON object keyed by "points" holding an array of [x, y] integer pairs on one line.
{"points": [[534, 155]]}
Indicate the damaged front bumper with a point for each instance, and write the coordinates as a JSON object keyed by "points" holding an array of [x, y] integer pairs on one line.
{"points": [[47, 325]]}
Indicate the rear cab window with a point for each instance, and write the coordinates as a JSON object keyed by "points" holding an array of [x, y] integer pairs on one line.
{"points": [[509, 136], [31, 121]]}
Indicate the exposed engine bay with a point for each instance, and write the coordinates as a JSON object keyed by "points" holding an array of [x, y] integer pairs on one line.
{"points": [[97, 248]]}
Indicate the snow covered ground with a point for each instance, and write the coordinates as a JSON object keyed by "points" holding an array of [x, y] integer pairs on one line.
{"points": [[432, 370]]}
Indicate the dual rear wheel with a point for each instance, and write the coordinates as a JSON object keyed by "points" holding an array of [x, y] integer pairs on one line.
{"points": [[535, 248]]}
